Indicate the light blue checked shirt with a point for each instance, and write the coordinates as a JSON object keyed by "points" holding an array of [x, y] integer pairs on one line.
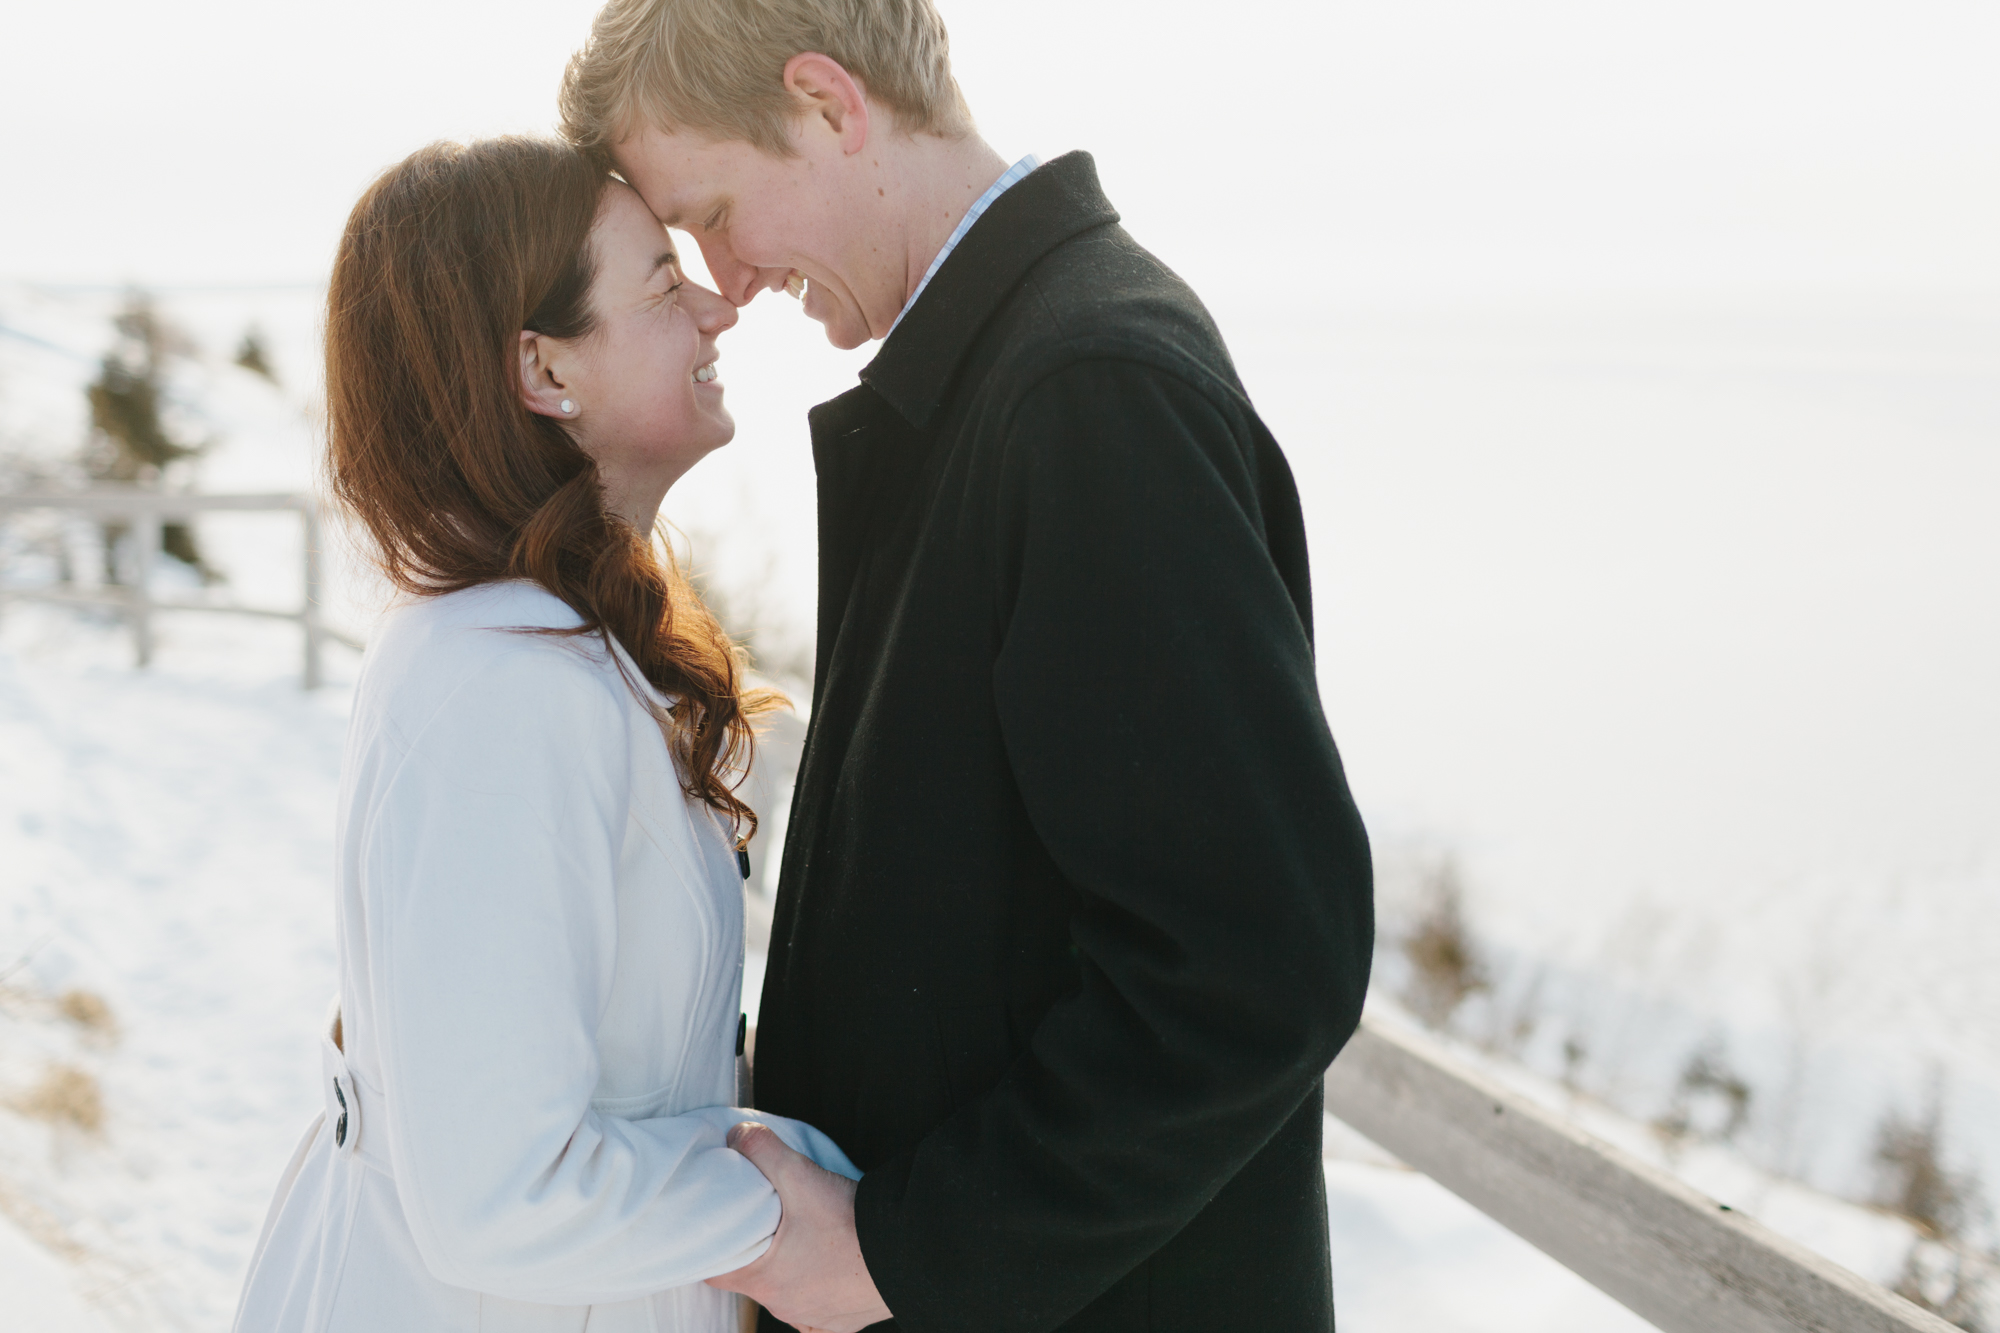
{"points": [[979, 205]]}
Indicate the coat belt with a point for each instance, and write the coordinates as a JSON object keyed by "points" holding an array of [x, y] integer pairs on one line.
{"points": [[351, 1102]]}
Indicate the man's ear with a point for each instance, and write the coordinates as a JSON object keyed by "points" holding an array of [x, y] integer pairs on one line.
{"points": [[826, 92], [543, 390]]}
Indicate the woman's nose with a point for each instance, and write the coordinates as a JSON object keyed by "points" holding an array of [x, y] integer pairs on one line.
{"points": [[713, 313]]}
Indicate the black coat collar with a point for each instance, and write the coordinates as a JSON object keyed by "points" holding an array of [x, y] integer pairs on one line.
{"points": [[1045, 208]]}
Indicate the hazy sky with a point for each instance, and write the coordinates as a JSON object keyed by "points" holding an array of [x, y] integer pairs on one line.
{"points": [[1271, 149]]}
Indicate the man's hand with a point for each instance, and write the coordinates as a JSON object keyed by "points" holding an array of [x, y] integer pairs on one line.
{"points": [[813, 1276]]}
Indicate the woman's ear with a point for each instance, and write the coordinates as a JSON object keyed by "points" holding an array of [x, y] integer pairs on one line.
{"points": [[543, 390]]}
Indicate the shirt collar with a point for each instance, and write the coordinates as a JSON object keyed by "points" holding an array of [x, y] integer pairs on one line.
{"points": [[979, 206], [1049, 206]]}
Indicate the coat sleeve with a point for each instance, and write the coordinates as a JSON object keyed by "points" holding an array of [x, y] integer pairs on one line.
{"points": [[1156, 692], [489, 866]]}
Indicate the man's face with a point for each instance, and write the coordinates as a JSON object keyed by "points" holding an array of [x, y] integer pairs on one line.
{"points": [[763, 220]]}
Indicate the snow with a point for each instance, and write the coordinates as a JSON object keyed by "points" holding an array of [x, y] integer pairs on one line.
{"points": [[39, 1291], [1408, 1254], [1672, 627], [169, 835]]}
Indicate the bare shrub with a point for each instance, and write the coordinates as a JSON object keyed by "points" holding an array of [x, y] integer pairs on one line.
{"points": [[1711, 1101], [66, 1095], [1446, 966], [1951, 1282], [1944, 1272], [254, 354], [1911, 1177]]}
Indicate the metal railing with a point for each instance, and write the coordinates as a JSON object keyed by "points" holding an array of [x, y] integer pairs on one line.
{"points": [[1668, 1253], [147, 512]]}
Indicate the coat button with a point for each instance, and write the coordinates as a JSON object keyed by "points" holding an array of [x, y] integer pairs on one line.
{"points": [[340, 1129], [742, 1032]]}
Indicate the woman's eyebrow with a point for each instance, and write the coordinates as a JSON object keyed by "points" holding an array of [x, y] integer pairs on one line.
{"points": [[660, 261]]}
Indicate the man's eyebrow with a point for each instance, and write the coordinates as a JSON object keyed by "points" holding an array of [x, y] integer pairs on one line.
{"points": [[678, 219], [679, 214]]}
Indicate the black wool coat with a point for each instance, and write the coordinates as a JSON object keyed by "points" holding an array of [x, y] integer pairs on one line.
{"points": [[1076, 908]]}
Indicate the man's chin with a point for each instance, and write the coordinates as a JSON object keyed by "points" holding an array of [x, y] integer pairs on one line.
{"points": [[844, 334], [843, 329]]}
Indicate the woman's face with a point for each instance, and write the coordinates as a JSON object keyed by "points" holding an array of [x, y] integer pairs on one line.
{"points": [[645, 400]]}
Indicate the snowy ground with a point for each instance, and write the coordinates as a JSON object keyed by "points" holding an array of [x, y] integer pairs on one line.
{"points": [[1673, 631], [168, 847]]}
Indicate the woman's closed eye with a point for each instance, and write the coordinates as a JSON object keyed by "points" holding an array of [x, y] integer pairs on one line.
{"points": [[667, 277]]}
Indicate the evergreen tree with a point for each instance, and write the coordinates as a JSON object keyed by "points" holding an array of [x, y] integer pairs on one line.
{"points": [[130, 441], [254, 355]]}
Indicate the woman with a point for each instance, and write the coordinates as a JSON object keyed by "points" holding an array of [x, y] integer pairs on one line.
{"points": [[529, 1074]]}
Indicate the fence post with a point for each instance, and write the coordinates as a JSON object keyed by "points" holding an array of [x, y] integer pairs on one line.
{"points": [[146, 551], [309, 615]]}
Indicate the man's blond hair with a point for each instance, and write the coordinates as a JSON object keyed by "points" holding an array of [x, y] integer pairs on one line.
{"points": [[718, 67]]}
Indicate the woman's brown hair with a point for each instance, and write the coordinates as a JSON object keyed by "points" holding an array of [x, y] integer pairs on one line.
{"points": [[446, 259]]}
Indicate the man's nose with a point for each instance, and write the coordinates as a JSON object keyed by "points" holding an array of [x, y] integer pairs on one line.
{"points": [[735, 280]]}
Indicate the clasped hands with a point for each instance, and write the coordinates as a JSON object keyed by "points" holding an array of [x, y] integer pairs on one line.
{"points": [[813, 1276]]}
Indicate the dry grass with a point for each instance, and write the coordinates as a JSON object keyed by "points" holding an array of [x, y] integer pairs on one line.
{"points": [[65, 1096], [84, 1008], [39, 1225], [88, 1011]]}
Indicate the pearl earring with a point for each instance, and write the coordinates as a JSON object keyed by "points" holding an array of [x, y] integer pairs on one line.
{"points": [[568, 406]]}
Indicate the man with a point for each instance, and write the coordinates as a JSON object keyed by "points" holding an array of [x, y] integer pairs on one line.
{"points": [[1075, 907]]}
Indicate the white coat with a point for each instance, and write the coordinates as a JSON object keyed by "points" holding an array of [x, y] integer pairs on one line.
{"points": [[541, 967]]}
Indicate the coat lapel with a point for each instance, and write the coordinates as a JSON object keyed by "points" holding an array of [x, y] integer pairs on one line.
{"points": [[1048, 206], [869, 444]]}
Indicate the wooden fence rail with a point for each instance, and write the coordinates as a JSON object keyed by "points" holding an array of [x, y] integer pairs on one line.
{"points": [[1670, 1254], [147, 511]]}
